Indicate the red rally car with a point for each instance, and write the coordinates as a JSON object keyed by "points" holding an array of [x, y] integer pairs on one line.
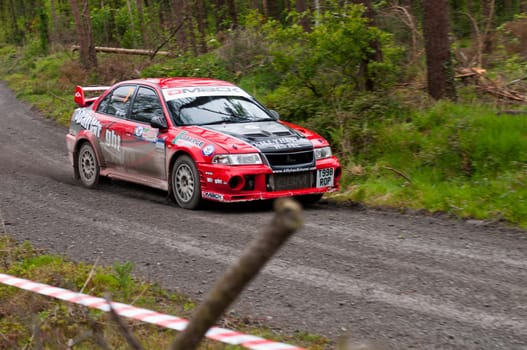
{"points": [[199, 139]]}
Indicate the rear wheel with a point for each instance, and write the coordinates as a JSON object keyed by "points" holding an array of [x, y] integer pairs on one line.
{"points": [[186, 186], [89, 171]]}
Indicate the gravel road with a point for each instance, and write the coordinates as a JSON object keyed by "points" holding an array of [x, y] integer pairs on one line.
{"points": [[408, 281]]}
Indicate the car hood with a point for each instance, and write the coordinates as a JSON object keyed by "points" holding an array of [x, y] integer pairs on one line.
{"points": [[268, 137]]}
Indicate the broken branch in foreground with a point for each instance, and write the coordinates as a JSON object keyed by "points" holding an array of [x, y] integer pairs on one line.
{"points": [[287, 219]]}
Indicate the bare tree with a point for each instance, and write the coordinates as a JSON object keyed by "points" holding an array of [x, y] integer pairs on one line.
{"points": [[271, 9], [407, 18], [375, 55], [233, 13], [287, 219], [301, 8], [139, 4], [180, 9], [201, 18], [88, 56], [436, 26]]}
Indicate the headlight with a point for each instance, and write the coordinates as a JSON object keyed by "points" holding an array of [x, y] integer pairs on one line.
{"points": [[323, 152], [237, 159]]}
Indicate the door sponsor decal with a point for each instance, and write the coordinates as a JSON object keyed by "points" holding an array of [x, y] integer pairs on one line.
{"points": [[86, 118], [112, 140]]}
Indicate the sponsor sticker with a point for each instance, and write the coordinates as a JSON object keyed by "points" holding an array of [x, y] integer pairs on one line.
{"points": [[86, 118], [208, 150], [212, 195], [139, 131], [183, 138], [160, 144], [112, 140], [195, 91], [278, 143]]}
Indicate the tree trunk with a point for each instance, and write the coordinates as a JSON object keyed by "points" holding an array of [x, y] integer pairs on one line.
{"points": [[488, 12], [304, 20], [18, 35], [180, 8], [88, 56], [233, 13], [375, 55], [43, 29], [132, 19], [201, 18], [139, 4], [440, 73], [54, 31], [254, 4], [271, 9]]}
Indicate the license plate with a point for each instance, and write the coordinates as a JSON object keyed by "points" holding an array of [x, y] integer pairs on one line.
{"points": [[291, 181], [325, 177]]}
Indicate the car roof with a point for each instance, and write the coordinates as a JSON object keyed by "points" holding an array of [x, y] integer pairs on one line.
{"points": [[167, 83]]}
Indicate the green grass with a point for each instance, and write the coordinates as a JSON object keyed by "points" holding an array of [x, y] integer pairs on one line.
{"points": [[461, 159]]}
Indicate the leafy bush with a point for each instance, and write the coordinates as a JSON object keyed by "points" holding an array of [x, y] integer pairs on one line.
{"points": [[325, 65]]}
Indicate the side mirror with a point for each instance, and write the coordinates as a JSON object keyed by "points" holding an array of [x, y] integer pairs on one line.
{"points": [[274, 114], [159, 122]]}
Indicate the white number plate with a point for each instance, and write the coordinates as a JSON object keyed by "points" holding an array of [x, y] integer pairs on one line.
{"points": [[325, 177]]}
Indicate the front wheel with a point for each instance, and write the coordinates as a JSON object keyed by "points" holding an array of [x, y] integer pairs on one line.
{"points": [[186, 185], [89, 171]]}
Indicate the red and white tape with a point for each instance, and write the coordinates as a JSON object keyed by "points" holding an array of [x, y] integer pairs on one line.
{"points": [[167, 321]]}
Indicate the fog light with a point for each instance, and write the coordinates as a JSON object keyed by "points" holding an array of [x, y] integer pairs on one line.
{"points": [[236, 183]]}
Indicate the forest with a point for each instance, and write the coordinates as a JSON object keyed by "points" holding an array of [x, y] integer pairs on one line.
{"points": [[421, 100]]}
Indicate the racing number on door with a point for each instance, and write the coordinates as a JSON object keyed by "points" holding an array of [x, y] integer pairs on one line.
{"points": [[325, 177]]}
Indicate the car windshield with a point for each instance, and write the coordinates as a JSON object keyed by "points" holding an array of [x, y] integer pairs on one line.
{"points": [[207, 110]]}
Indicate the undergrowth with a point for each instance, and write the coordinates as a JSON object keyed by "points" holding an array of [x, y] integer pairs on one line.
{"points": [[398, 149], [463, 160], [32, 321]]}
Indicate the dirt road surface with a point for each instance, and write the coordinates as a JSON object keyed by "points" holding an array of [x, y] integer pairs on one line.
{"points": [[408, 281]]}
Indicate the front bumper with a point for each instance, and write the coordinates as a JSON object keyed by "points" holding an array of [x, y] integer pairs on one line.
{"points": [[256, 182]]}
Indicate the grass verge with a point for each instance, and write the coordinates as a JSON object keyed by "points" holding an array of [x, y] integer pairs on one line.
{"points": [[29, 320]]}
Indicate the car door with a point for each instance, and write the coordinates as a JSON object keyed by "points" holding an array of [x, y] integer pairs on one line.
{"points": [[112, 113], [144, 150]]}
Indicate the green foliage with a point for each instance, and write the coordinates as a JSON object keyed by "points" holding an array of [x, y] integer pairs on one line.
{"points": [[463, 160], [208, 65], [123, 275], [323, 67]]}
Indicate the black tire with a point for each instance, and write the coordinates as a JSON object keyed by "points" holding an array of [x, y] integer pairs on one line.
{"points": [[88, 167], [186, 186], [310, 199]]}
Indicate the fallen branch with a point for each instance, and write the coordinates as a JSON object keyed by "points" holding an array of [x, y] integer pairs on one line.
{"points": [[492, 87], [120, 50], [398, 172], [287, 220]]}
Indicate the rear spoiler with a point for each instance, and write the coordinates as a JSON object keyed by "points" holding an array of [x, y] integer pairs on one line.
{"points": [[81, 100]]}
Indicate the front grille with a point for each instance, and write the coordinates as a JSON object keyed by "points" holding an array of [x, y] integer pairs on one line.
{"points": [[291, 159], [291, 181]]}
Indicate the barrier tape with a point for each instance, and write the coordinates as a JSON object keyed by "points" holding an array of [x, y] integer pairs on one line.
{"points": [[167, 321]]}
